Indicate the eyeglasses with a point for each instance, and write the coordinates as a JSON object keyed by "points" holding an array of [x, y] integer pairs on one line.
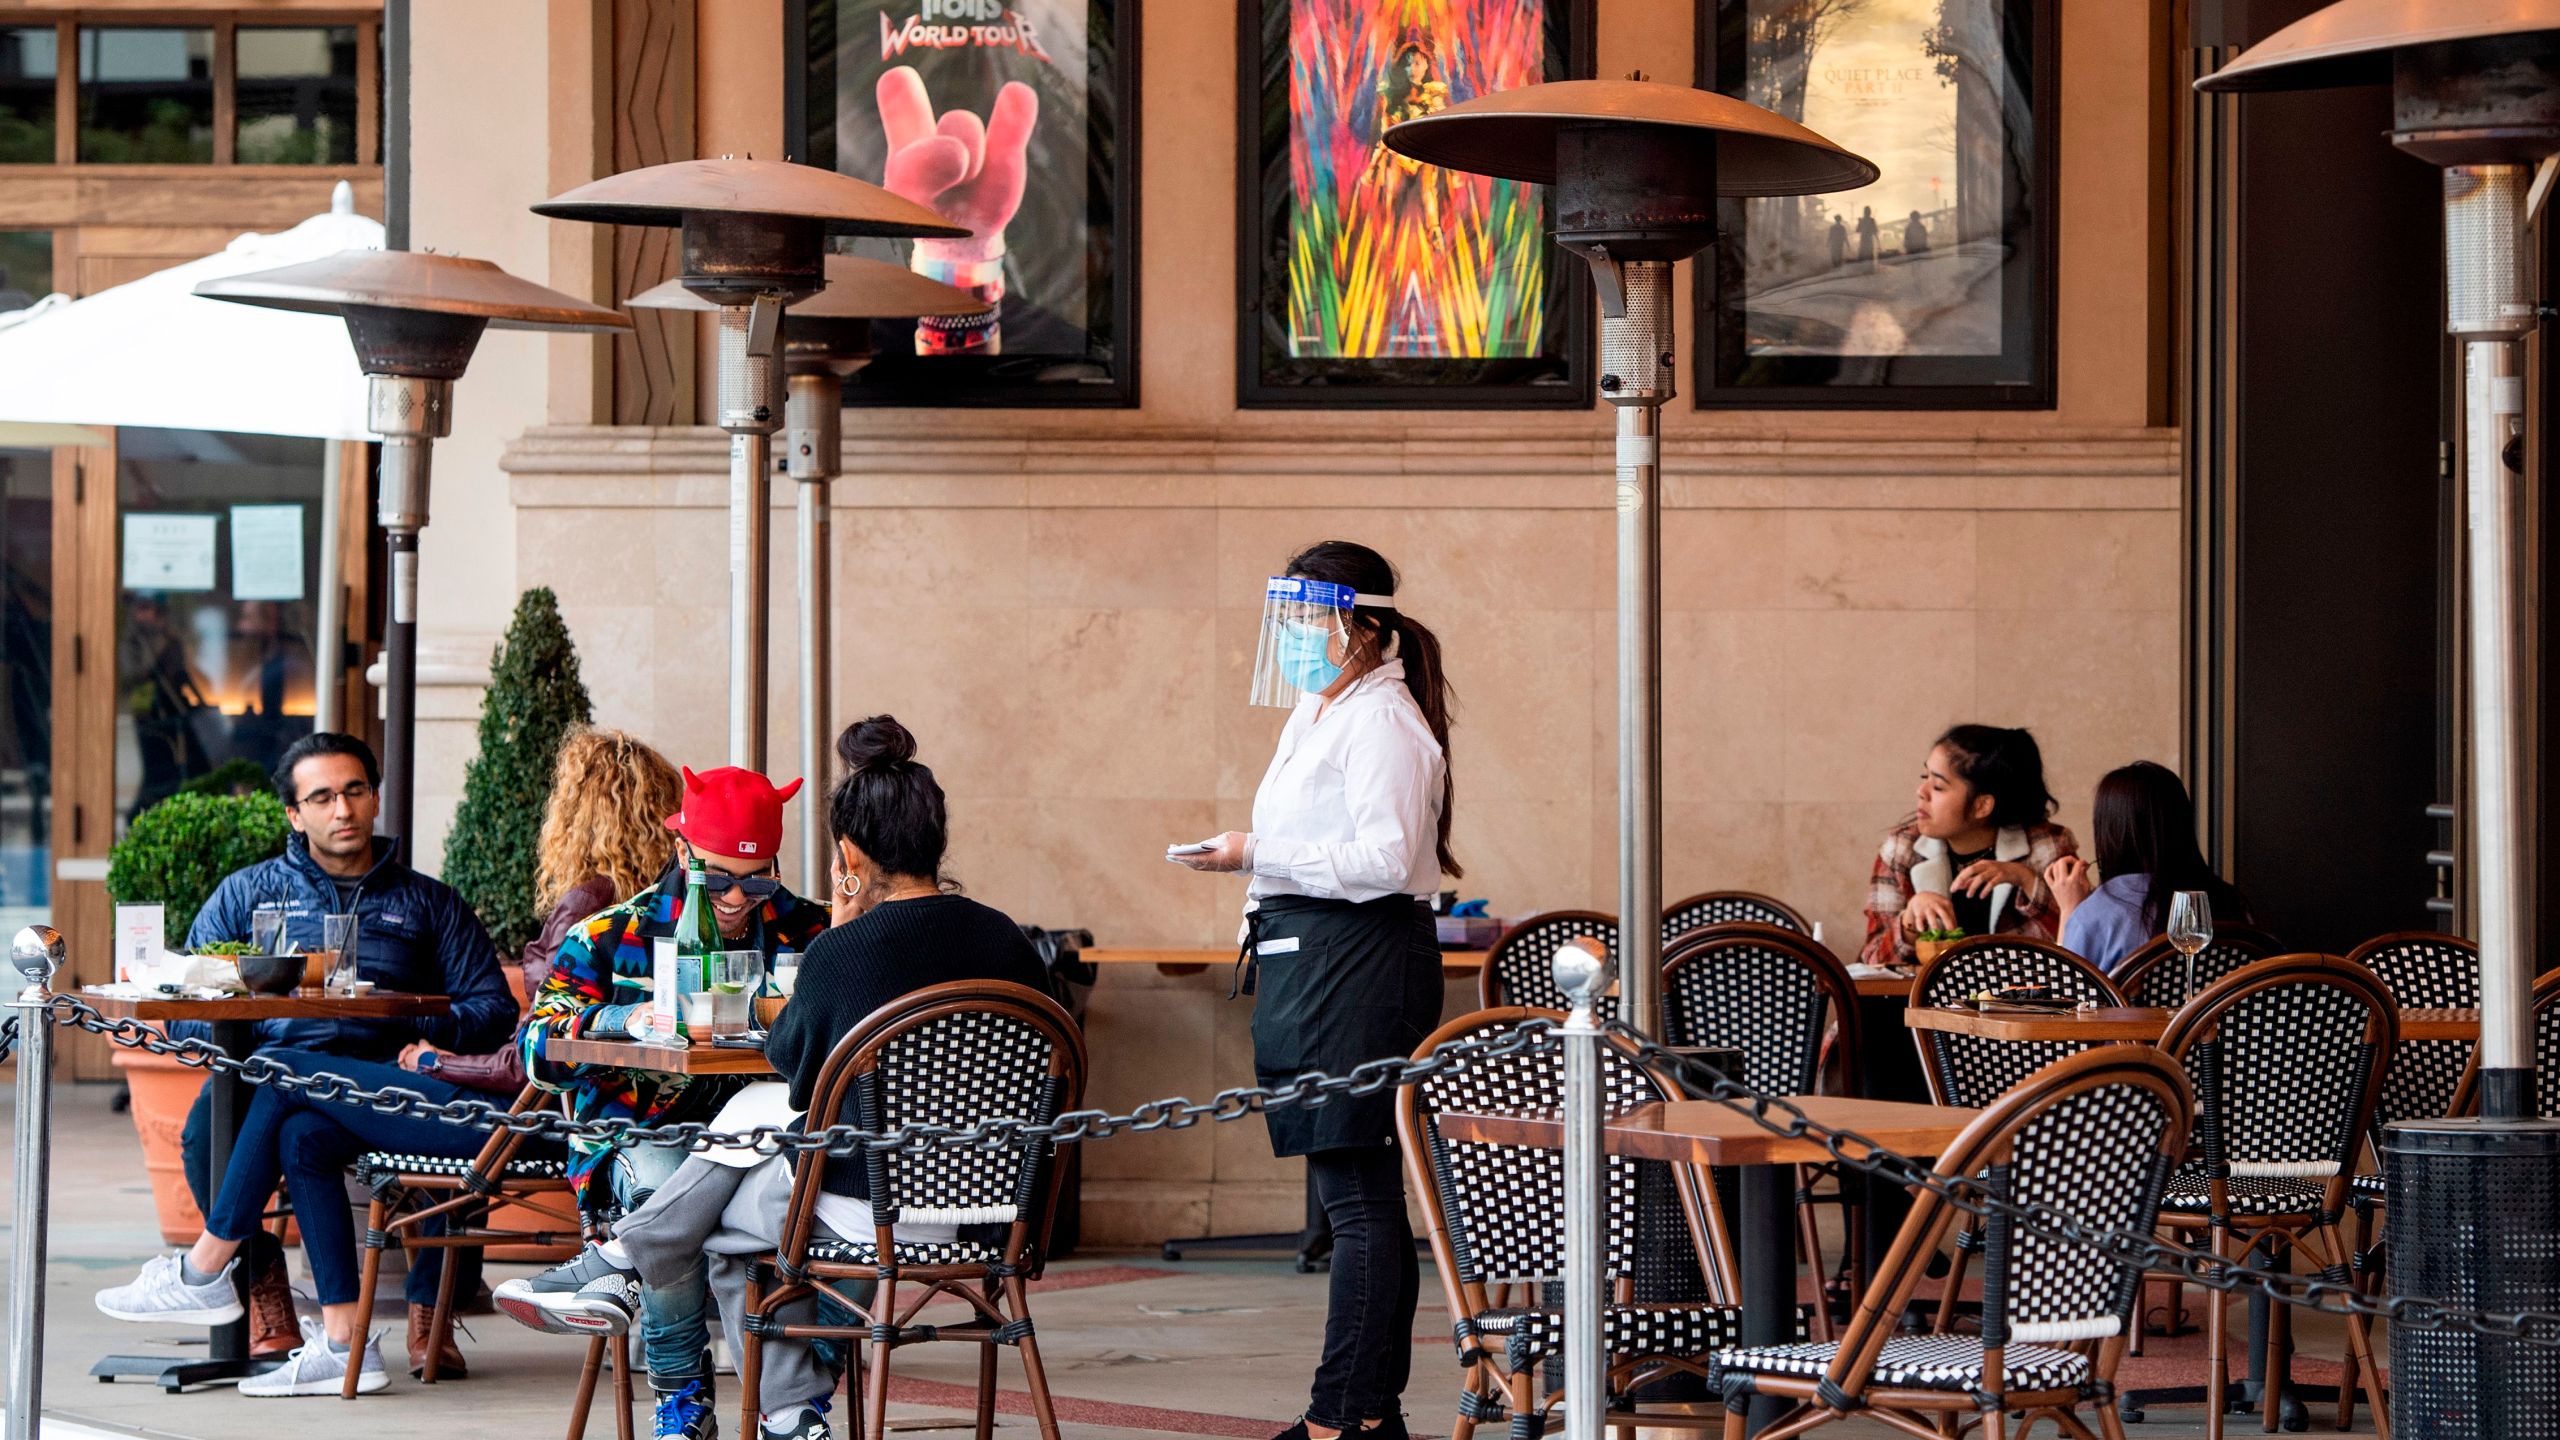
{"points": [[754, 887], [355, 794]]}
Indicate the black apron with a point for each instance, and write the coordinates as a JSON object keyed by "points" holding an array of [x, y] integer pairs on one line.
{"points": [[1337, 984]]}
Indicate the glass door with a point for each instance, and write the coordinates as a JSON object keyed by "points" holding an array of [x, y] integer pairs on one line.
{"points": [[26, 688]]}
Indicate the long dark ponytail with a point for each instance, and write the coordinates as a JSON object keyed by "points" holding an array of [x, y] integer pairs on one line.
{"points": [[1344, 562]]}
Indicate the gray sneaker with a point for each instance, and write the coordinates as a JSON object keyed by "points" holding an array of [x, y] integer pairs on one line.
{"points": [[162, 1296], [590, 1295], [318, 1368]]}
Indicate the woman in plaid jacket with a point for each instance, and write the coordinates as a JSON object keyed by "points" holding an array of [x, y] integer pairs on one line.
{"points": [[1972, 854]]}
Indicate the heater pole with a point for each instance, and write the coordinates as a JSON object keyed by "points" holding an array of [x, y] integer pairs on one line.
{"points": [[2487, 307], [409, 413], [1636, 377], [813, 433], [750, 336]]}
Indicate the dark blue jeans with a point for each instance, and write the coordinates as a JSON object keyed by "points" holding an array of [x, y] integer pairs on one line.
{"points": [[1368, 1321], [306, 1145]]}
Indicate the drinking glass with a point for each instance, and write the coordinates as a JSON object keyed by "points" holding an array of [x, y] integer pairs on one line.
{"points": [[2190, 929], [784, 974], [341, 934], [736, 977], [266, 931]]}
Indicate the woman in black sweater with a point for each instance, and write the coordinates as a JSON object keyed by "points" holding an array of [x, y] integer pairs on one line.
{"points": [[899, 928]]}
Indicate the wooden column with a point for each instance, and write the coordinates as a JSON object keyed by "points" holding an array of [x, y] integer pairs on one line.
{"points": [[84, 726]]}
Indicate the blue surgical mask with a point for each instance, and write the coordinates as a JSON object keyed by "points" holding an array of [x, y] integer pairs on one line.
{"points": [[1303, 658]]}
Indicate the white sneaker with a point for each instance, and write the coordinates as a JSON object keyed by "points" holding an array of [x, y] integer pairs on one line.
{"points": [[318, 1368], [162, 1296]]}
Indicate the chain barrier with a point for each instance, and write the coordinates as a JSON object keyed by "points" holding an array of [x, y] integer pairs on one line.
{"points": [[1774, 1113], [1176, 1113], [1783, 1117], [8, 1038]]}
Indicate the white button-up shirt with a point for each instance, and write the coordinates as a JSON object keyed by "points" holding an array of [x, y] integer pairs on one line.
{"points": [[1350, 808]]}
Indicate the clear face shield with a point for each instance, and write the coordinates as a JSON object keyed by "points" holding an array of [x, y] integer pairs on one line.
{"points": [[1306, 637]]}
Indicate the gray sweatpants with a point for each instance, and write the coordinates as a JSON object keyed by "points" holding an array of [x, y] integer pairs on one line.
{"points": [[721, 1215]]}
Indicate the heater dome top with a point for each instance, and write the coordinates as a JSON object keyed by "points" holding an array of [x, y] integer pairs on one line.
{"points": [[858, 288], [666, 194], [2352, 41], [1512, 134], [413, 280]]}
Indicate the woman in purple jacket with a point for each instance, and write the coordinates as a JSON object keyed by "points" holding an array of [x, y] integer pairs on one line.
{"points": [[2145, 827]]}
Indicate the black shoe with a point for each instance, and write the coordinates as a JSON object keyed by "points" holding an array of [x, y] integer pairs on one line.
{"points": [[1391, 1428], [801, 1422], [685, 1413], [588, 1296]]}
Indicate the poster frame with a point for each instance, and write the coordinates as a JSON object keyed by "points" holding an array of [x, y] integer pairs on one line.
{"points": [[1117, 267], [1261, 126], [1717, 359]]}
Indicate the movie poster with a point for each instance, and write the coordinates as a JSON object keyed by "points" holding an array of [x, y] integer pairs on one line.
{"points": [[1002, 115], [1927, 277], [1378, 271]]}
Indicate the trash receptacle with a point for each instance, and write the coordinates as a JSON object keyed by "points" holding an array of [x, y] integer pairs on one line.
{"points": [[2473, 1221]]}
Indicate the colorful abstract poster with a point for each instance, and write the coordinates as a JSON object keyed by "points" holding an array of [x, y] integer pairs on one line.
{"points": [[1931, 285], [1008, 117], [1375, 279]]}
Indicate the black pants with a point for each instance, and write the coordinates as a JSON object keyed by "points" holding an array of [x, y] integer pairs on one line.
{"points": [[1368, 1323]]}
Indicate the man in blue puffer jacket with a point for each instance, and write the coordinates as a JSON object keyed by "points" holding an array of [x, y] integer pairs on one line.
{"points": [[415, 935]]}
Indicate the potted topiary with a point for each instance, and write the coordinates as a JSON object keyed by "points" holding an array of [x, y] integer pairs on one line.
{"points": [[534, 700], [173, 855]]}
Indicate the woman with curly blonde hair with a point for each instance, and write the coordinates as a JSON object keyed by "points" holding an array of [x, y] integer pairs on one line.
{"points": [[604, 836]]}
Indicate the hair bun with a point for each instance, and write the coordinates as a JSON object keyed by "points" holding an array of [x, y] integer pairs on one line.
{"points": [[875, 744]]}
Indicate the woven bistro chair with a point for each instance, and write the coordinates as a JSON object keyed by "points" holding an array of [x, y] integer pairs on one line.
{"points": [[1519, 969], [2546, 1057], [955, 1055], [1721, 907], [1974, 1071], [1773, 994], [2423, 971], [2156, 974], [409, 1191], [1495, 1214], [2094, 1136], [2287, 1058]]}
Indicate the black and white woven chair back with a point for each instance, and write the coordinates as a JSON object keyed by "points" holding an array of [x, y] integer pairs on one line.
{"points": [[2422, 972], [1756, 994], [958, 1070], [2283, 1074], [2098, 1155], [1970, 1070], [2156, 975], [1503, 1205], [1520, 969], [1722, 907]]}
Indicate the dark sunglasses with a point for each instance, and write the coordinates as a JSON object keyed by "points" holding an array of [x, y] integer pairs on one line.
{"points": [[754, 887]]}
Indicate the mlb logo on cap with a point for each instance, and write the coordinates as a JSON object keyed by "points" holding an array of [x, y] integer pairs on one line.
{"points": [[732, 812]]}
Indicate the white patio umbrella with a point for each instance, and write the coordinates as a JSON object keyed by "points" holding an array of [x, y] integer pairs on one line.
{"points": [[152, 353]]}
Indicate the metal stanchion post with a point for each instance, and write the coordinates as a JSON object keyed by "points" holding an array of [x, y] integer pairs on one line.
{"points": [[1582, 972], [37, 953]]}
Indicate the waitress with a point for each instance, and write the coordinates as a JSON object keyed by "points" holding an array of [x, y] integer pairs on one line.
{"points": [[1350, 837]]}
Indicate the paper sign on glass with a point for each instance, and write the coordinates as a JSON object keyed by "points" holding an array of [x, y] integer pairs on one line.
{"points": [[169, 552], [266, 552]]}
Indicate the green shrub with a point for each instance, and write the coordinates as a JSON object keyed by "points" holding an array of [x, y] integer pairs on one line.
{"points": [[175, 852], [535, 697], [231, 777]]}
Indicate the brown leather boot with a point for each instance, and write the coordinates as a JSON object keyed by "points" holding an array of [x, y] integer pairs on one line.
{"points": [[272, 1327], [449, 1364]]}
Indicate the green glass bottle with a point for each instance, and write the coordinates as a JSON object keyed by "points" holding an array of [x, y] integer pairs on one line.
{"points": [[697, 938]]}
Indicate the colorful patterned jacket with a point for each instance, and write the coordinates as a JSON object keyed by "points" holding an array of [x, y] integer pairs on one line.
{"points": [[604, 965]]}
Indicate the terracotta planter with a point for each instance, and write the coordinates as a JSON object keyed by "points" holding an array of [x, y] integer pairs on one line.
{"points": [[163, 1092]]}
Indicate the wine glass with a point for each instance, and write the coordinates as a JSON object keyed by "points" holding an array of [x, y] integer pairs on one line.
{"points": [[2190, 929]]}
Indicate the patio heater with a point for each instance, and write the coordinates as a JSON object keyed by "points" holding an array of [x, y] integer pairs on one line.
{"points": [[825, 340], [415, 317], [754, 241], [1637, 169], [2474, 1206]]}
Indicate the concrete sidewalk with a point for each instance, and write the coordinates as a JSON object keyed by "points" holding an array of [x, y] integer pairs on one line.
{"points": [[1134, 1346]]}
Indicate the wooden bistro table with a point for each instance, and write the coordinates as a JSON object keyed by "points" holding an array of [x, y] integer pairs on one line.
{"points": [[235, 1024], [700, 1059], [1705, 1132]]}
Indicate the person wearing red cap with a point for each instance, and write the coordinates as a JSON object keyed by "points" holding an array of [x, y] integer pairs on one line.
{"points": [[731, 822]]}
